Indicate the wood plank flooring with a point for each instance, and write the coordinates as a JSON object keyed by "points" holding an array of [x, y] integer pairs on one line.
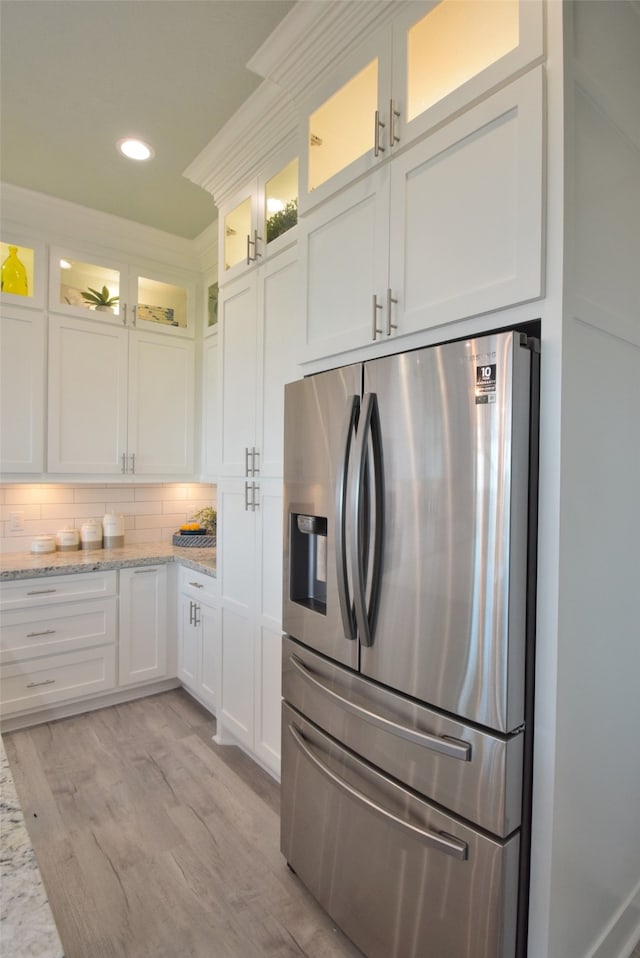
{"points": [[153, 842]]}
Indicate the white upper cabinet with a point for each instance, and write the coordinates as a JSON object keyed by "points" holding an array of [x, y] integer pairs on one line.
{"points": [[255, 222], [402, 81], [22, 378], [258, 343], [153, 297], [121, 401], [451, 229]]}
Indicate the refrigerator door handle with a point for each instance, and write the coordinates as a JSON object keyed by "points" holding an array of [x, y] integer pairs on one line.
{"points": [[346, 606], [438, 840], [361, 570], [452, 748]]}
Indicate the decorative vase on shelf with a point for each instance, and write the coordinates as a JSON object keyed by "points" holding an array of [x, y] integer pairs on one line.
{"points": [[14, 274]]}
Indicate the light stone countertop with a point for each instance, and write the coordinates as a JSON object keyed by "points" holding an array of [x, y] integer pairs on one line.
{"points": [[27, 928], [26, 565]]}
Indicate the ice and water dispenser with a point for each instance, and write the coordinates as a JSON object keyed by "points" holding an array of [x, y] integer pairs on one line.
{"points": [[308, 565]]}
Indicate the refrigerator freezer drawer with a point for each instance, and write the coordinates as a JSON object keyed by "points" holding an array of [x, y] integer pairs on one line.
{"points": [[401, 877], [476, 774]]}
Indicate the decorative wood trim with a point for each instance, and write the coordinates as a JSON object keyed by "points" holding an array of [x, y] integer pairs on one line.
{"points": [[313, 37], [255, 133]]}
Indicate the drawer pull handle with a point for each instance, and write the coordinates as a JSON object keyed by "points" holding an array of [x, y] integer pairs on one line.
{"points": [[142, 571], [197, 585], [34, 685], [33, 635], [41, 591]]}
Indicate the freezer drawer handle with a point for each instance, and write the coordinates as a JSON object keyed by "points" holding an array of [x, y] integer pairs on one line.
{"points": [[438, 840], [452, 748]]}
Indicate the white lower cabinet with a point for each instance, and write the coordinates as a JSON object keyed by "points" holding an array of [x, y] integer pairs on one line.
{"points": [[199, 636], [143, 624], [250, 574], [58, 640]]}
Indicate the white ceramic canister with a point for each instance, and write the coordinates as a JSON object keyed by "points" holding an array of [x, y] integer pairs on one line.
{"points": [[91, 534], [68, 540], [43, 544], [113, 530]]}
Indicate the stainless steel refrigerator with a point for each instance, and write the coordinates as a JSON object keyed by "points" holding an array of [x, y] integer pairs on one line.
{"points": [[409, 550]]}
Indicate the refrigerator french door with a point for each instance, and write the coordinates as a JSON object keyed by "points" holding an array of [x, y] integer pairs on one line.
{"points": [[408, 513]]}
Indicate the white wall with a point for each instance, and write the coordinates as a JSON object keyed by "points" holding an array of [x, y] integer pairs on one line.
{"points": [[587, 838], [152, 512]]}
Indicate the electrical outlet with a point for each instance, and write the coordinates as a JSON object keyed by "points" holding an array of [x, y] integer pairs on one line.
{"points": [[16, 523]]}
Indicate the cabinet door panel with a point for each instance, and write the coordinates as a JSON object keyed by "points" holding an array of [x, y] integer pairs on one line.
{"points": [[345, 261], [87, 396], [161, 404], [277, 346], [188, 645], [210, 657], [22, 377], [236, 711], [466, 212], [268, 698], [237, 307], [143, 624]]}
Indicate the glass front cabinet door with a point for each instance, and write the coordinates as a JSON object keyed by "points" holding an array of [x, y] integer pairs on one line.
{"points": [[104, 290], [432, 61], [23, 268], [254, 223]]}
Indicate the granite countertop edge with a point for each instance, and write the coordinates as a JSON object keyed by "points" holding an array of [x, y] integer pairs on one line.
{"points": [[27, 565]]}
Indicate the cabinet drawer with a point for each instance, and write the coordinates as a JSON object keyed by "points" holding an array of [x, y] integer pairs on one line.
{"points": [[198, 585], [57, 678], [48, 590], [27, 633]]}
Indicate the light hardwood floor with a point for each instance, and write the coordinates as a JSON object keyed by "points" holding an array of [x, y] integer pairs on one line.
{"points": [[153, 842]]}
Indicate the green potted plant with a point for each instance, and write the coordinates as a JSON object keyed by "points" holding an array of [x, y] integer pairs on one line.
{"points": [[100, 299], [207, 518]]}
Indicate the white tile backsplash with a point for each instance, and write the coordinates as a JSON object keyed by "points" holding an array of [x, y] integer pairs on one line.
{"points": [[152, 512]]}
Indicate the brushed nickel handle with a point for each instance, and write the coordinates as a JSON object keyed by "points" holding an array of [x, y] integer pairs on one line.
{"points": [[247, 467], [253, 242], [446, 745], [42, 591], [132, 457], [124, 463], [438, 840], [143, 571], [390, 300], [255, 454], [197, 585], [393, 113], [124, 314], [33, 635], [375, 329], [196, 611], [35, 685], [135, 316], [377, 148]]}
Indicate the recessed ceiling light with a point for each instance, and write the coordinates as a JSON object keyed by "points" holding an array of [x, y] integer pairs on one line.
{"points": [[135, 149]]}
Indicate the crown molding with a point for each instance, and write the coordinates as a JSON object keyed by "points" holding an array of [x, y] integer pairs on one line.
{"points": [[314, 36], [257, 131], [60, 222]]}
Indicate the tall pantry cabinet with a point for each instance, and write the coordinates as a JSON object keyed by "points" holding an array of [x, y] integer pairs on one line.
{"points": [[557, 233], [251, 169]]}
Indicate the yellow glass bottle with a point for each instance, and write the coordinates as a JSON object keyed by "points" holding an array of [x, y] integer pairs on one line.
{"points": [[14, 274]]}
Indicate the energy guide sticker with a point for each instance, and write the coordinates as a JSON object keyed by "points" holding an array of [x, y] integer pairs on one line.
{"points": [[486, 384]]}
